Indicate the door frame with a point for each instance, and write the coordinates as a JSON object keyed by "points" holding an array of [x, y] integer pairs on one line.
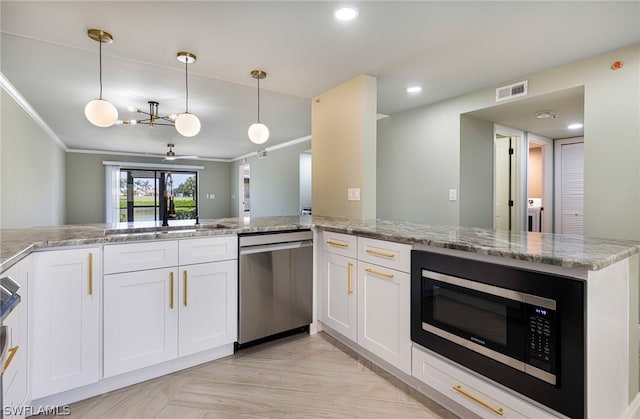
{"points": [[519, 209], [547, 180], [241, 170]]}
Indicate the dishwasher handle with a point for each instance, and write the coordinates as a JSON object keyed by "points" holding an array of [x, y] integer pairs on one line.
{"points": [[275, 247]]}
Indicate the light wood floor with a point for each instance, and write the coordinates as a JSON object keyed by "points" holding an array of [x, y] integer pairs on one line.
{"points": [[294, 377]]}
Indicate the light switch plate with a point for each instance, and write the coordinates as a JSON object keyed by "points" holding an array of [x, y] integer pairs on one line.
{"points": [[353, 194], [453, 194]]}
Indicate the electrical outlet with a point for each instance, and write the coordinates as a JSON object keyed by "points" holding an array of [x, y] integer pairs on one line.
{"points": [[453, 194], [353, 194]]}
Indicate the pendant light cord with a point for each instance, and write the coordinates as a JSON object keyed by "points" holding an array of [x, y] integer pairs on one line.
{"points": [[100, 61], [258, 97], [186, 83]]}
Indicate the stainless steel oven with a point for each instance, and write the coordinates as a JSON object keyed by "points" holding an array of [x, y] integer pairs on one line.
{"points": [[521, 328]]}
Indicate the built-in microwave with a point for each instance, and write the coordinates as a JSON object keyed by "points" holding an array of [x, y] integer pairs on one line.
{"points": [[521, 328]]}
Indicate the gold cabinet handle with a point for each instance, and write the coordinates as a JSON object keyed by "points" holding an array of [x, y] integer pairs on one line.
{"points": [[90, 273], [383, 254], [349, 289], [12, 353], [339, 244], [185, 275], [373, 271], [497, 410], [171, 290]]}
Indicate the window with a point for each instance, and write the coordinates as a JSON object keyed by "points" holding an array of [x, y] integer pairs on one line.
{"points": [[142, 190]]}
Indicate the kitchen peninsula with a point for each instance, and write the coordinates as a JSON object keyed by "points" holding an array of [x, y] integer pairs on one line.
{"points": [[607, 268]]}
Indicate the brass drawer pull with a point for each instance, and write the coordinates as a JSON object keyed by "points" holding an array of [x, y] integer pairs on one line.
{"points": [[12, 353], [373, 271], [383, 254], [185, 287], [339, 244], [171, 290], [349, 289], [459, 389]]}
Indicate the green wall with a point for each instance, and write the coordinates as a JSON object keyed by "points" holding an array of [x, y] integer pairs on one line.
{"points": [[420, 152], [32, 186], [275, 182], [85, 180]]}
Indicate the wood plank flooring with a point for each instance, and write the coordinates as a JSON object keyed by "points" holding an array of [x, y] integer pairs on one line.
{"points": [[295, 377]]}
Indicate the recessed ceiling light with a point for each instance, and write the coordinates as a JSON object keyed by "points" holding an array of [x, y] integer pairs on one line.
{"points": [[575, 126], [346, 13], [414, 89]]}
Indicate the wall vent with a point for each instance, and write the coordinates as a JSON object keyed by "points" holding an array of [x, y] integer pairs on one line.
{"points": [[511, 91], [262, 154]]}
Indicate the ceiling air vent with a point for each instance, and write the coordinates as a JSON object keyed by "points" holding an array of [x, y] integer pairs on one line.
{"points": [[511, 91]]}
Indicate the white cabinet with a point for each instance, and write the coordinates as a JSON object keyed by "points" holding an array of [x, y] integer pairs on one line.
{"points": [[469, 391], [168, 299], [338, 283], [65, 300], [384, 301], [208, 315], [140, 319], [365, 289], [15, 367]]}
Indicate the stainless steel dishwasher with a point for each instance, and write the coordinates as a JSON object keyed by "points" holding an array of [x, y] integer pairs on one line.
{"points": [[275, 284]]}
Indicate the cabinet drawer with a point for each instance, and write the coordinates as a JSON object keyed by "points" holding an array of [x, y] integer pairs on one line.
{"points": [[340, 244], [208, 249], [473, 393], [388, 254], [140, 256]]}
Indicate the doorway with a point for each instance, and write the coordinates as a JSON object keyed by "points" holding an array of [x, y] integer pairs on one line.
{"points": [[508, 175], [539, 184], [244, 193]]}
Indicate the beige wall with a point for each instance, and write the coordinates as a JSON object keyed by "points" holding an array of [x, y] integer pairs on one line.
{"points": [[32, 188], [534, 175], [343, 132]]}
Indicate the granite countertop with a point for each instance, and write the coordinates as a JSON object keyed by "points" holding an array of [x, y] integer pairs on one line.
{"points": [[551, 249]]}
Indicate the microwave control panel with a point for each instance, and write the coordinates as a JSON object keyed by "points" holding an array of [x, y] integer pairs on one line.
{"points": [[541, 342]]}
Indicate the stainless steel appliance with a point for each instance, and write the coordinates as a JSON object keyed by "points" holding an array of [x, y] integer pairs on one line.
{"points": [[9, 300], [521, 328], [275, 284]]}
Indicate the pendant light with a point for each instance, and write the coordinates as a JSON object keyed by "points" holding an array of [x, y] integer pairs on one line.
{"points": [[258, 132], [100, 112], [187, 124]]}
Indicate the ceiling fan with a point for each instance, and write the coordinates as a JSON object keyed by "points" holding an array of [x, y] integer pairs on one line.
{"points": [[171, 155]]}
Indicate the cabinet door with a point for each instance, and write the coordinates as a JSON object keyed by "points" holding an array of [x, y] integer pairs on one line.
{"points": [[384, 315], [208, 306], [66, 312], [140, 319], [339, 294]]}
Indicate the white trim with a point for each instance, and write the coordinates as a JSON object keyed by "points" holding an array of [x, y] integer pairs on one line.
{"points": [[151, 165], [124, 153], [22, 102], [274, 147]]}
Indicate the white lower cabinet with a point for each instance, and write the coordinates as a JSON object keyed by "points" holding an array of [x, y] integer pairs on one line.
{"points": [[384, 315], [339, 293], [140, 319], [208, 302], [65, 298], [15, 377], [156, 315], [469, 391]]}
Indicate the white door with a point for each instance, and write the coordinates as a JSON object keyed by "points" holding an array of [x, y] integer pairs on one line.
{"points": [[208, 301], [570, 186], [66, 328], [339, 294], [384, 314], [140, 319]]}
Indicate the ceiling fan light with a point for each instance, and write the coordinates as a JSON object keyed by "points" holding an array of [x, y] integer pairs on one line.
{"points": [[258, 133], [101, 113], [187, 124]]}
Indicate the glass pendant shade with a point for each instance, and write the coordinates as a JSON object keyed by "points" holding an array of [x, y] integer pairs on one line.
{"points": [[187, 124], [258, 133], [101, 113]]}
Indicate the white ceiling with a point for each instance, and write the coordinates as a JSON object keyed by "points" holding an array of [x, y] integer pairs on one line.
{"points": [[449, 48]]}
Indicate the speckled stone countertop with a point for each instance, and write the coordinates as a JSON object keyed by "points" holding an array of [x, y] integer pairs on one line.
{"points": [[558, 250]]}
